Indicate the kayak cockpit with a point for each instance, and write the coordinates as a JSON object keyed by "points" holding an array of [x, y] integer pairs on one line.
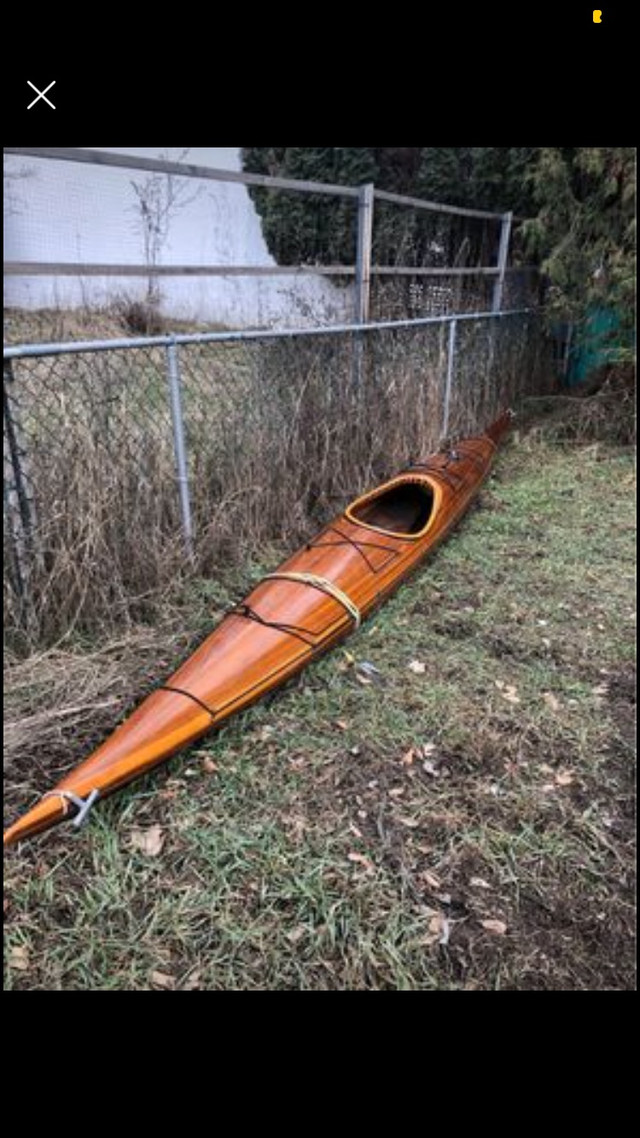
{"points": [[402, 508]]}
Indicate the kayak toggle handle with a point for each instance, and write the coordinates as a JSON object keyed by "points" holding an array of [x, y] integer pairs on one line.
{"points": [[83, 804]]}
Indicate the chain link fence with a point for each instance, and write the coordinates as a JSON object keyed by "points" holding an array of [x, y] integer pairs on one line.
{"points": [[122, 474]]}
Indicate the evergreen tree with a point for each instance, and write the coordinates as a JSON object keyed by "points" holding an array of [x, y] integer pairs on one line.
{"points": [[584, 229], [578, 207]]}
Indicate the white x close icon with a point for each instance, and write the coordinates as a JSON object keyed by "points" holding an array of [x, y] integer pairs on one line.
{"points": [[41, 95]]}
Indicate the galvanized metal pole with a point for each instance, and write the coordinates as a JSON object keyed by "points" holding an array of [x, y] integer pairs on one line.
{"points": [[567, 354], [503, 254], [173, 374], [449, 381], [363, 256], [18, 505]]}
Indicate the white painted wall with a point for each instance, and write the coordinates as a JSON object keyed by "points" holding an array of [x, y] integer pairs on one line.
{"points": [[66, 211]]}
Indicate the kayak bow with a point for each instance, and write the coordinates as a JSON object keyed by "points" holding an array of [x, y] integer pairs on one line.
{"points": [[310, 603]]}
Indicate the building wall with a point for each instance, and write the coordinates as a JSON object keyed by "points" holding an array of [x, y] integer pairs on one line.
{"points": [[67, 211]]}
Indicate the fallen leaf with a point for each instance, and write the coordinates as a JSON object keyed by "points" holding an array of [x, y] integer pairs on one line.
{"points": [[364, 680], [19, 958], [162, 980], [439, 930], [431, 879], [360, 859], [494, 926], [342, 724], [446, 931], [430, 768], [551, 701], [296, 934], [210, 766], [410, 823], [510, 693], [408, 757], [564, 778], [428, 749], [149, 842], [417, 667], [479, 883], [396, 792]]}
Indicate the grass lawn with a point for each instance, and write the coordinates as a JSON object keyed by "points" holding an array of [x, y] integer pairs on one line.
{"points": [[462, 819]]}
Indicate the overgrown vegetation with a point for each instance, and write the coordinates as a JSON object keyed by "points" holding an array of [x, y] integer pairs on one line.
{"points": [[575, 209], [463, 822], [301, 229], [584, 230], [280, 435]]}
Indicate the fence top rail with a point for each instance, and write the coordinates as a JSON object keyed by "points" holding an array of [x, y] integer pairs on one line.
{"points": [[84, 269], [184, 169], [420, 203], [18, 351], [188, 170]]}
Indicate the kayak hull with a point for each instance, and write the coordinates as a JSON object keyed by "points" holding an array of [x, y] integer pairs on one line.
{"points": [[307, 606]]}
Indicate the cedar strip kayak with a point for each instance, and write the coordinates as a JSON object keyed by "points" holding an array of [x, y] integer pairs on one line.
{"points": [[310, 603]]}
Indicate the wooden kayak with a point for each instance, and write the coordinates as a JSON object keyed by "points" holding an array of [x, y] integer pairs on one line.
{"points": [[310, 603]]}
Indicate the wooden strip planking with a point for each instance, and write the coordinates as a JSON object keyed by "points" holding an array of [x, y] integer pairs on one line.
{"points": [[185, 169]]}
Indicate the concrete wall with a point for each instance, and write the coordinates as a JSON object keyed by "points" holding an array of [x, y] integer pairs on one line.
{"points": [[65, 211]]}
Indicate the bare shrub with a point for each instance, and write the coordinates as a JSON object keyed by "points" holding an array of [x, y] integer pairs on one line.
{"points": [[602, 410], [140, 317]]}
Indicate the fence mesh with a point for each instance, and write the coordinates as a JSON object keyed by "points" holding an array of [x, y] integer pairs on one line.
{"points": [[279, 432]]}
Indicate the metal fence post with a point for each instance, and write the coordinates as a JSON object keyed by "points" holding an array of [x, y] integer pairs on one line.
{"points": [[363, 256], [503, 254], [447, 390], [173, 373], [18, 507]]}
